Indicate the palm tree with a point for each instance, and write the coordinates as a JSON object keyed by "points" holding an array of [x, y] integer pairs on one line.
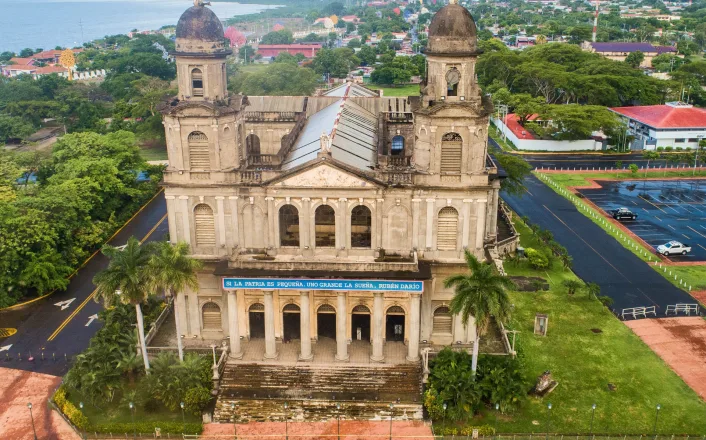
{"points": [[127, 279], [173, 270], [480, 294], [572, 286]]}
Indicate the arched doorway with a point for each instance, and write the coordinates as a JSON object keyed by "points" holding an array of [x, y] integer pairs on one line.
{"points": [[394, 324], [360, 321], [256, 316], [326, 321], [291, 320]]}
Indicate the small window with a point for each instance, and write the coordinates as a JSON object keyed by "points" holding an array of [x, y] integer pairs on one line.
{"points": [[397, 146], [288, 226], [442, 321], [196, 82], [361, 227], [447, 229], [204, 225], [679, 141], [325, 226], [693, 140]]}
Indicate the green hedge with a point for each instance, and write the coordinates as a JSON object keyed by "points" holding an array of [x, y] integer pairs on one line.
{"points": [[70, 411], [147, 427], [464, 430]]}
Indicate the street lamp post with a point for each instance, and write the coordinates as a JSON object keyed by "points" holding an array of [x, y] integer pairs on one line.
{"points": [[391, 407], [654, 430], [549, 419], [34, 431], [132, 415], [495, 430], [593, 413], [286, 429], [235, 425], [183, 419], [338, 420]]}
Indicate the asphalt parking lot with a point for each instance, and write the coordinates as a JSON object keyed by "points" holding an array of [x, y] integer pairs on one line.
{"points": [[667, 210]]}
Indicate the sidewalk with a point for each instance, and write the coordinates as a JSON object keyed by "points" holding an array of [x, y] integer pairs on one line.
{"points": [[17, 388]]}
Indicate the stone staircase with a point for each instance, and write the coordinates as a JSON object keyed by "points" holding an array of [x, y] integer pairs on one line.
{"points": [[312, 391]]}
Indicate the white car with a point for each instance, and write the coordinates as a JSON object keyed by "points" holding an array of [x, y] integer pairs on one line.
{"points": [[673, 248]]}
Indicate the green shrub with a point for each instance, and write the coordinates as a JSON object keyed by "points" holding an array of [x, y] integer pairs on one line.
{"points": [[536, 259], [668, 148], [679, 148], [605, 300], [482, 430], [633, 169], [196, 399], [660, 148], [433, 404], [70, 411], [147, 427]]}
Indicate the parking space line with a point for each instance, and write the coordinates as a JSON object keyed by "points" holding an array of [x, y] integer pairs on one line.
{"points": [[653, 204], [704, 236], [685, 236], [672, 227], [704, 248], [658, 218]]}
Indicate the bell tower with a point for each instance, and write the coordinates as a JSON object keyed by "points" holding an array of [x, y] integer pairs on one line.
{"points": [[451, 57], [201, 55]]}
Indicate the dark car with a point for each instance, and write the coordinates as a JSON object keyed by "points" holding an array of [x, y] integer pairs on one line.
{"points": [[623, 214]]}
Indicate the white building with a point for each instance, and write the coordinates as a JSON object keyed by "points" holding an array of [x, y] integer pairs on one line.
{"points": [[674, 124]]}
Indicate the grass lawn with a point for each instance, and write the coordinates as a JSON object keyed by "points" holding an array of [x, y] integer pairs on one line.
{"points": [[406, 90], [156, 153], [694, 276], [497, 136], [584, 363], [115, 413]]}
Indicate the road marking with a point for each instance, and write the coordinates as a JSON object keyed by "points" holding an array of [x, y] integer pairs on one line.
{"points": [[672, 227], [704, 248], [5, 347], [7, 332], [633, 202], [696, 232], [653, 204], [93, 294], [65, 304], [91, 319], [581, 238], [684, 235]]}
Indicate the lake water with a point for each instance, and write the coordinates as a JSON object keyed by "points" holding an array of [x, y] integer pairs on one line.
{"points": [[50, 23]]}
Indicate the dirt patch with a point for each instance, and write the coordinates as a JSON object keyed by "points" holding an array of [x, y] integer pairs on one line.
{"points": [[527, 284], [596, 330], [349, 429]]}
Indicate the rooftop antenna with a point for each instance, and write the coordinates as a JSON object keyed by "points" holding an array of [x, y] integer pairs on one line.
{"points": [[595, 22]]}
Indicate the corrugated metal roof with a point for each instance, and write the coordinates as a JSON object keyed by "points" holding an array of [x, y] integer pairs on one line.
{"points": [[623, 47], [275, 104], [354, 136], [351, 89]]}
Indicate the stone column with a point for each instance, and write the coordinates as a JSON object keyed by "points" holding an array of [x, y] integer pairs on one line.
{"points": [[414, 326], [415, 223], [342, 224], [220, 223], [430, 224], [304, 221], [459, 330], [233, 327], [480, 223], [171, 219], [341, 318], [305, 326], [271, 222], [378, 305], [493, 206], [270, 345], [378, 221], [235, 236], [186, 227], [466, 223], [194, 316]]}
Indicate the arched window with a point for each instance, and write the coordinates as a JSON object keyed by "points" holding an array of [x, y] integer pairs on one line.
{"points": [[205, 226], [199, 157], [325, 226], [397, 146], [252, 145], [451, 144], [211, 316], [288, 226], [442, 321], [196, 82], [361, 223], [447, 234]]}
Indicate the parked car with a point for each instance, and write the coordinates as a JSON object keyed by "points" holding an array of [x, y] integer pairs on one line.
{"points": [[673, 248], [623, 214]]}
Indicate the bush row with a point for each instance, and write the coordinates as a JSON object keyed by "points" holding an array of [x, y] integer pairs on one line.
{"points": [[70, 411], [146, 427], [464, 430]]}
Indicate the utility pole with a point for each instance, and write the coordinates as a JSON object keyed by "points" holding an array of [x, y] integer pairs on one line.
{"points": [[595, 22]]}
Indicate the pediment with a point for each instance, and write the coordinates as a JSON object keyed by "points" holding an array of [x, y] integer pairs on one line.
{"points": [[324, 176]]}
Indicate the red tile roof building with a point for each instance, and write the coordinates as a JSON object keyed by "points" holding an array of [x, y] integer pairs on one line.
{"points": [[674, 124], [272, 50]]}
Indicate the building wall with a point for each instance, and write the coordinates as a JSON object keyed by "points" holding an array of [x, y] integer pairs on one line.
{"points": [[545, 145]]}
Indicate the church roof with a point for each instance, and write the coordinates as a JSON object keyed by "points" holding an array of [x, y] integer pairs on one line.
{"points": [[353, 90], [352, 131], [199, 23]]}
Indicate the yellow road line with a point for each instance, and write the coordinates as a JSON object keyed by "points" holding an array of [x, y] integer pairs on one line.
{"points": [[87, 259], [93, 294], [653, 204]]}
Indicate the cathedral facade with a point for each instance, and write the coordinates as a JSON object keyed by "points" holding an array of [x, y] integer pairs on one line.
{"points": [[334, 216]]}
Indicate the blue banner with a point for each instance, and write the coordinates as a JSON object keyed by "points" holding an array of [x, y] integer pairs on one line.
{"points": [[330, 284]]}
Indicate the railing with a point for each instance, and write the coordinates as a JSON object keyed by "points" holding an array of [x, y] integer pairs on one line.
{"points": [[157, 324], [270, 116], [636, 312], [490, 165], [683, 308], [268, 160], [288, 141], [399, 161], [399, 117], [250, 177], [398, 178]]}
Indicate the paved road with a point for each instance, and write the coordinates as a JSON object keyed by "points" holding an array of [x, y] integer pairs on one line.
{"points": [[597, 256], [588, 161], [44, 325]]}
